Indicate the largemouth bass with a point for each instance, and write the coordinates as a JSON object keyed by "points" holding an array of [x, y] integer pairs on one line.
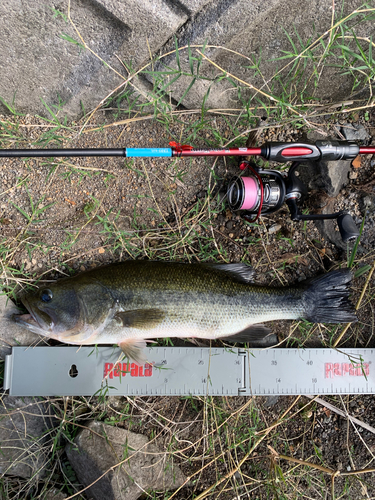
{"points": [[129, 302]]}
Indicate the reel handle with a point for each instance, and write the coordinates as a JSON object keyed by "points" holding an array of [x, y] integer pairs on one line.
{"points": [[347, 227]]}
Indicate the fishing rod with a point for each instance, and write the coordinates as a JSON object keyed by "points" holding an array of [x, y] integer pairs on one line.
{"points": [[260, 192], [281, 152]]}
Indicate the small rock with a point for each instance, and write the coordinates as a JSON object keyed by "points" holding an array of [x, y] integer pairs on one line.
{"points": [[144, 466], [274, 228], [353, 132], [229, 225], [367, 203], [55, 494], [271, 401], [115, 402]]}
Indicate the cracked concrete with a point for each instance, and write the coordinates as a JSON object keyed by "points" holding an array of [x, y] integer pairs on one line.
{"points": [[42, 57]]}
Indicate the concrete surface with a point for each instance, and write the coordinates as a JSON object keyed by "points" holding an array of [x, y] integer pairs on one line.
{"points": [[24, 426], [38, 62]]}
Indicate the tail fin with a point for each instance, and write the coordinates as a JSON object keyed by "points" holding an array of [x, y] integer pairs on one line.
{"points": [[327, 299]]}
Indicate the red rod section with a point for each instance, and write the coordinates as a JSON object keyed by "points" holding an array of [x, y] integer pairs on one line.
{"points": [[221, 152], [296, 152], [366, 150]]}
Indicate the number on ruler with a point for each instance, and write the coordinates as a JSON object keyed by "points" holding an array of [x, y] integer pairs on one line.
{"points": [[310, 363], [278, 380], [273, 363], [314, 380], [200, 362]]}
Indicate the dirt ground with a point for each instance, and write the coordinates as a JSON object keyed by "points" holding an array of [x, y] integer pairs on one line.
{"points": [[60, 216]]}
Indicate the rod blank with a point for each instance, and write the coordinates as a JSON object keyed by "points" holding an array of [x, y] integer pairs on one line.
{"points": [[45, 153]]}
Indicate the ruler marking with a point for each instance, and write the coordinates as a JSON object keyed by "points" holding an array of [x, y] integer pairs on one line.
{"points": [[261, 372]]}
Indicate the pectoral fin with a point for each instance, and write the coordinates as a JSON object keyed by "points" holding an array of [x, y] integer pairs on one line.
{"points": [[144, 319], [251, 334], [133, 349]]}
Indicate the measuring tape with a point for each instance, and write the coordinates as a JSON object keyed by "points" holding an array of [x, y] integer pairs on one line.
{"points": [[184, 371]]}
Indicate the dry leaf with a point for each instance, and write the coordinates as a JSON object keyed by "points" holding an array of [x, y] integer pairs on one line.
{"points": [[327, 412], [356, 162], [101, 250]]}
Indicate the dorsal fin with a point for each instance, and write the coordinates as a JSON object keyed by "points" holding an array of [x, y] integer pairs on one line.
{"points": [[238, 271]]}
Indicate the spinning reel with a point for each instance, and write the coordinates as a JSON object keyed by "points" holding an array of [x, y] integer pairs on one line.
{"points": [[263, 191]]}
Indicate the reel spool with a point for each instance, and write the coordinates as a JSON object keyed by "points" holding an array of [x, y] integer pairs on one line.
{"points": [[259, 193]]}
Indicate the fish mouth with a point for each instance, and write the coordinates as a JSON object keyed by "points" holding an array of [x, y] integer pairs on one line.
{"points": [[36, 321]]}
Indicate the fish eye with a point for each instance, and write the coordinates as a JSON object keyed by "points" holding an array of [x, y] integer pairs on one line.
{"points": [[46, 295]]}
